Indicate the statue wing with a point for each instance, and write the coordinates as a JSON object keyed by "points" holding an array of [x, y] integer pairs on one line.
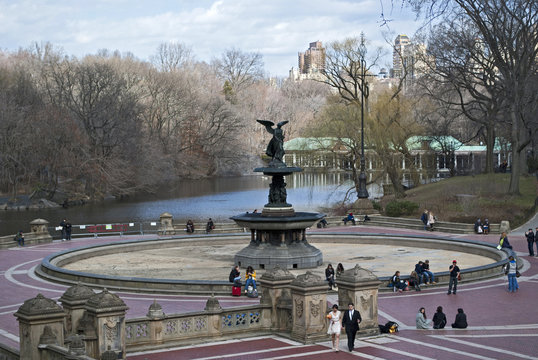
{"points": [[282, 123], [266, 122]]}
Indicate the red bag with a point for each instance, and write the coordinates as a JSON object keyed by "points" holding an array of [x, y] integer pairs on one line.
{"points": [[236, 291]]}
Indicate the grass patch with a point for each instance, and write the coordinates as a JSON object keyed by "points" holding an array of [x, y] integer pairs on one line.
{"points": [[466, 198]]}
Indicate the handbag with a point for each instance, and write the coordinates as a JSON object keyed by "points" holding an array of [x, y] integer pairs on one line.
{"points": [[517, 274], [460, 277]]}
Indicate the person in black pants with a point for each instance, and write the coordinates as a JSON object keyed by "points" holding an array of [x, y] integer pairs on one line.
{"points": [[350, 322], [530, 241], [454, 274]]}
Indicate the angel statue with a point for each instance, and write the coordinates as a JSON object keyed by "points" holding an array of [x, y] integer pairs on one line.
{"points": [[275, 148]]}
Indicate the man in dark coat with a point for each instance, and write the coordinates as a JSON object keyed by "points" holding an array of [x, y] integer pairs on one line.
{"points": [[350, 322], [530, 241]]}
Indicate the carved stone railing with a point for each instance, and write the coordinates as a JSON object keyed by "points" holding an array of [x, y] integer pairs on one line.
{"points": [[147, 332]]}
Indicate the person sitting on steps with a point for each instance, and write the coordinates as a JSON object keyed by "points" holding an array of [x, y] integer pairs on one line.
{"points": [[250, 278], [349, 217]]}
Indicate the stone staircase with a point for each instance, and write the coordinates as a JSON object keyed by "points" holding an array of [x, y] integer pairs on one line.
{"points": [[412, 224]]}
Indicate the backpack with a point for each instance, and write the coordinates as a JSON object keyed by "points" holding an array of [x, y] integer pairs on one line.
{"points": [[392, 327], [232, 277]]}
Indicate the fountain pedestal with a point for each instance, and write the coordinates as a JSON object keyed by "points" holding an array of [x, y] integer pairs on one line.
{"points": [[278, 234]]}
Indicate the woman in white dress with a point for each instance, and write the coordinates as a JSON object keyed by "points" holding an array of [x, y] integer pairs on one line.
{"points": [[335, 326]]}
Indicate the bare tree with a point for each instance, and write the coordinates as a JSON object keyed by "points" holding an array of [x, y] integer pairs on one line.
{"points": [[172, 56], [239, 69], [508, 38]]}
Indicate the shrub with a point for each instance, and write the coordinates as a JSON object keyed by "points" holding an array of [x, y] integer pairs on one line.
{"points": [[377, 206], [398, 208]]}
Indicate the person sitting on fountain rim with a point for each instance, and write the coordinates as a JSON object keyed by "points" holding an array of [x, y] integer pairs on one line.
{"points": [[420, 272], [428, 275], [250, 278], [235, 276], [397, 283]]}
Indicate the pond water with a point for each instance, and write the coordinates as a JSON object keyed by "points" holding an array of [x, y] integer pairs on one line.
{"points": [[218, 198]]}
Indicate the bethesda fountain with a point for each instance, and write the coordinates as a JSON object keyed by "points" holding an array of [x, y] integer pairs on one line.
{"points": [[278, 233]]}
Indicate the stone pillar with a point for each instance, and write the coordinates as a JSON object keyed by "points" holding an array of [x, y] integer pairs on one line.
{"points": [[38, 232], [73, 301], [167, 226], [276, 292], [213, 310], [309, 301], [504, 227], [156, 315], [360, 286], [106, 312], [40, 319]]}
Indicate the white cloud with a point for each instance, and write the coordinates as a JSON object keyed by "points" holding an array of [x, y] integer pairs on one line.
{"points": [[277, 28]]}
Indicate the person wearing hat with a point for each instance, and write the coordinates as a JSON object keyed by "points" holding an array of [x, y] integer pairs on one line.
{"points": [[454, 271]]}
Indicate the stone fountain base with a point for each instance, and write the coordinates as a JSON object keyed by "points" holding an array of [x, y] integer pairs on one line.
{"points": [[278, 240]]}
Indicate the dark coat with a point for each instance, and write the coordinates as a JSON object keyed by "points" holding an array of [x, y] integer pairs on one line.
{"points": [[351, 325], [439, 320], [461, 321]]}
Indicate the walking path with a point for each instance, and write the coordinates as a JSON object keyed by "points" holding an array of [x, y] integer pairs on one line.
{"points": [[502, 325]]}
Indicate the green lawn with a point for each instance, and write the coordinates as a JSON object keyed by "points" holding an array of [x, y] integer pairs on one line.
{"points": [[466, 198]]}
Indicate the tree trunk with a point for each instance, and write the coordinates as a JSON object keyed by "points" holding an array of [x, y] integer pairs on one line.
{"points": [[490, 146], [515, 165]]}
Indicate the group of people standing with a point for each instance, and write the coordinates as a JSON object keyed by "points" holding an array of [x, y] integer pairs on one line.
{"points": [[66, 229], [439, 319], [428, 219]]}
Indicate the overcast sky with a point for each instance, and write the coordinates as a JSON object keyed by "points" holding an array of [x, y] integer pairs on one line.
{"points": [[278, 29]]}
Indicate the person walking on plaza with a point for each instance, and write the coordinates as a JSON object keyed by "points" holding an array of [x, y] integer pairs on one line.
{"points": [[335, 326], [439, 319], [422, 321], [511, 271], [350, 323], [530, 241], [454, 271], [461, 320], [503, 242]]}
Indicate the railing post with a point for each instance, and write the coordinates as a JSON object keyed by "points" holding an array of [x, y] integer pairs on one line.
{"points": [[309, 300], [360, 286], [41, 321], [276, 292]]}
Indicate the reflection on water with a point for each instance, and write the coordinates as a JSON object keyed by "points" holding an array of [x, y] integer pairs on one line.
{"points": [[218, 198]]}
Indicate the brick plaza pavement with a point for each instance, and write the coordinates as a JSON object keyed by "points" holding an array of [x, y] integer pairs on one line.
{"points": [[502, 325]]}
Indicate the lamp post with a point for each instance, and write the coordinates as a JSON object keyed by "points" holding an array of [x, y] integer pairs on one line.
{"points": [[363, 192]]}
